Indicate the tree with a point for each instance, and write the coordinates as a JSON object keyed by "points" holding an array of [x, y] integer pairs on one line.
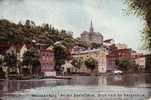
{"points": [[10, 60], [31, 59], [1, 62], [60, 56], [95, 45], [123, 64], [81, 43], [68, 42], [127, 65], [77, 62], [27, 23], [2, 74], [11, 33], [91, 63], [143, 8]]}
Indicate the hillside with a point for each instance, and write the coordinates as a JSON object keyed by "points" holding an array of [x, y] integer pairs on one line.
{"points": [[14, 33]]}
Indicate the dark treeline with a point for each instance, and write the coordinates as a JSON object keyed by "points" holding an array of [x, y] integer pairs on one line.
{"points": [[14, 33]]}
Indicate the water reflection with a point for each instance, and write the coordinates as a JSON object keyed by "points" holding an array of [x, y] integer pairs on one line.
{"points": [[114, 85], [16, 85]]}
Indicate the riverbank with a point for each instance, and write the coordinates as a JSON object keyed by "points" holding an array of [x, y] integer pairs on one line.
{"points": [[40, 78], [65, 76]]}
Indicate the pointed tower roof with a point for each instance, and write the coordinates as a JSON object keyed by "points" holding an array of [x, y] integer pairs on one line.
{"points": [[91, 27]]}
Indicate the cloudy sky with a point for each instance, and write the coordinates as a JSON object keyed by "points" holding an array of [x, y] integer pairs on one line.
{"points": [[109, 17]]}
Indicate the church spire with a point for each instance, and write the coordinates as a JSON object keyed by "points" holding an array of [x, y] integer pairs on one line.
{"points": [[91, 27]]}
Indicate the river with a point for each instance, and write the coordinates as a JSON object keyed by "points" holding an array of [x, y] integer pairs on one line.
{"points": [[104, 87]]}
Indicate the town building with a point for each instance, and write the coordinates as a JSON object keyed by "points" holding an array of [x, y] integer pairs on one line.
{"points": [[108, 42], [67, 67], [78, 48], [22, 52], [139, 59], [98, 54], [46, 57], [118, 53], [12, 50], [141, 62], [91, 36], [115, 55], [47, 62], [121, 46], [17, 49]]}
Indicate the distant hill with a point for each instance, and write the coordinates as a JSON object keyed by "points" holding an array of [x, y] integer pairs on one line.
{"points": [[14, 33]]}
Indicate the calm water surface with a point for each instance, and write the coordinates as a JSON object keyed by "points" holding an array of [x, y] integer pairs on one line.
{"points": [[120, 87]]}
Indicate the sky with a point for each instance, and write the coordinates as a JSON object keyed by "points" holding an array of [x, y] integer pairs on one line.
{"points": [[109, 17]]}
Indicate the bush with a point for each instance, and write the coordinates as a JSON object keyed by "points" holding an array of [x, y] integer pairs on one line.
{"points": [[91, 63]]}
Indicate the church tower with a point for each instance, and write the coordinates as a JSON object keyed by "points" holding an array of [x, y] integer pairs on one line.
{"points": [[91, 27], [91, 36]]}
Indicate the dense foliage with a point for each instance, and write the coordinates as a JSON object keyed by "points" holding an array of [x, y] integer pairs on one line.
{"points": [[12, 33], [91, 63], [31, 59], [77, 62], [60, 55], [143, 8], [127, 65], [10, 60]]}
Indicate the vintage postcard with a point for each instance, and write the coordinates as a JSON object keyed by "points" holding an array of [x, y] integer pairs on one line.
{"points": [[75, 49]]}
